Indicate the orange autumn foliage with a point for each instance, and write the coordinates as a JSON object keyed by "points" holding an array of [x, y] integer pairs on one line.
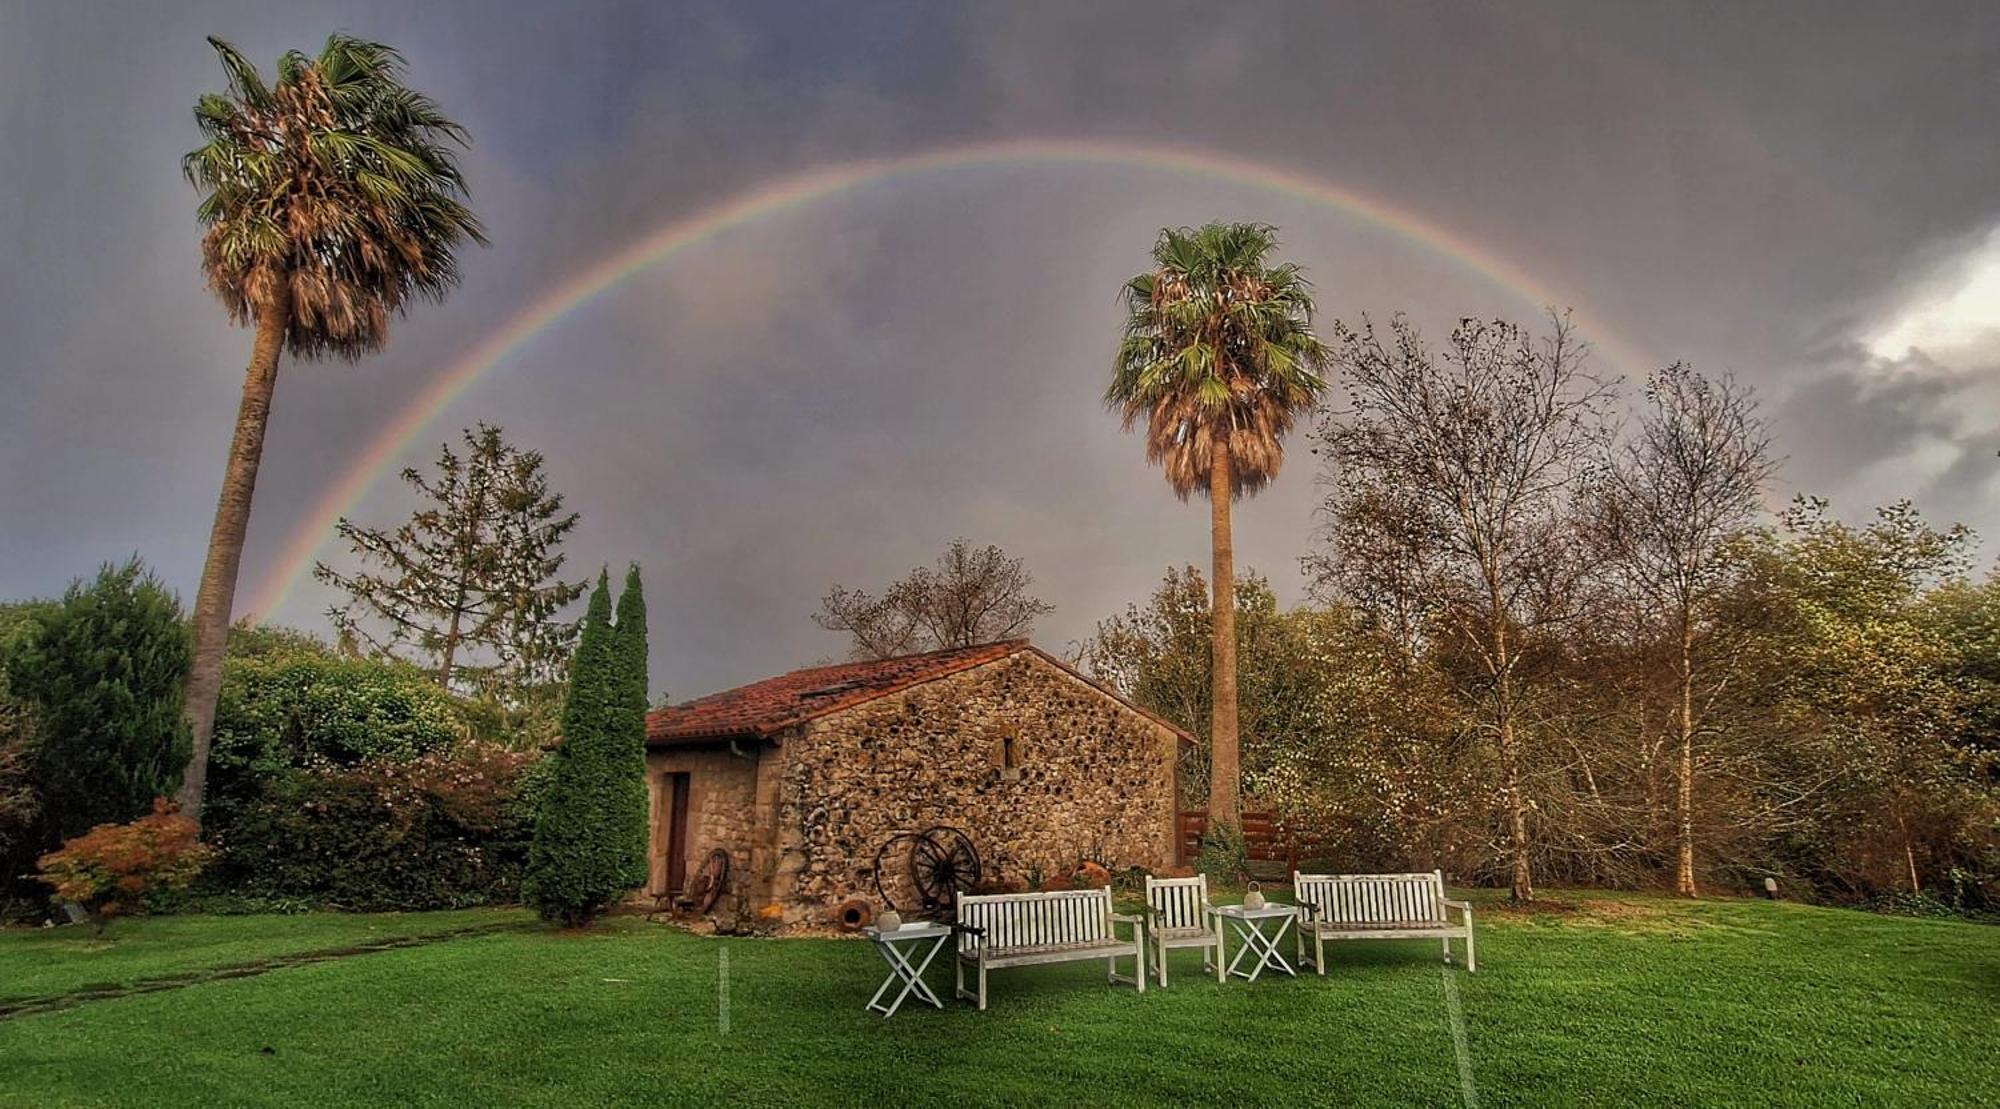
{"points": [[1091, 876], [119, 869]]}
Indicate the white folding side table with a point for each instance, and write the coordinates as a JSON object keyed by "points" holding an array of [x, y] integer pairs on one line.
{"points": [[1249, 925], [897, 948]]}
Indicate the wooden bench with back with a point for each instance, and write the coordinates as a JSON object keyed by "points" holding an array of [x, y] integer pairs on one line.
{"points": [[1377, 907], [1061, 926]]}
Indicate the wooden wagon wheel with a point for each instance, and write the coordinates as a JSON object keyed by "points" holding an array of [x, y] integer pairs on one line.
{"points": [[892, 867], [705, 888], [943, 863]]}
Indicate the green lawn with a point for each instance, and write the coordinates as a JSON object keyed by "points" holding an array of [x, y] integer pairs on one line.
{"points": [[40, 961], [1630, 1000]]}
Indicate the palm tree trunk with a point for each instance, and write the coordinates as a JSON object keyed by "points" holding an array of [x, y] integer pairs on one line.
{"points": [[1225, 768], [225, 542]]}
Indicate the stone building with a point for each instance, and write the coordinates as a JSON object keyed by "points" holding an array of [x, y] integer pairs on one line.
{"points": [[801, 778]]}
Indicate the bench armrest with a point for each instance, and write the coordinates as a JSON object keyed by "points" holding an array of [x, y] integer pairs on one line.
{"points": [[1137, 922], [1464, 908], [1308, 911]]}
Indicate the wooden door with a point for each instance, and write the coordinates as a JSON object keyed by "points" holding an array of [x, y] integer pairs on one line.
{"points": [[677, 830]]}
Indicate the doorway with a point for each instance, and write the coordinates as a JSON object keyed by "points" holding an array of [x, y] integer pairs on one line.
{"points": [[675, 795]]}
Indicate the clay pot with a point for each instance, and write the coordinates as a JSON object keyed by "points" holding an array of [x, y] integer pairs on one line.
{"points": [[888, 920], [1253, 898], [854, 914]]}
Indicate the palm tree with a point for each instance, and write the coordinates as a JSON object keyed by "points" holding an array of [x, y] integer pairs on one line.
{"points": [[1219, 359], [331, 200]]}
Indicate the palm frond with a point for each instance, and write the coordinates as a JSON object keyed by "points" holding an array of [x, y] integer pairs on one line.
{"points": [[1218, 354], [337, 185]]}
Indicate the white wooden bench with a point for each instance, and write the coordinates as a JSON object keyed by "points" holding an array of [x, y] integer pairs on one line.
{"points": [[1377, 907], [1178, 915], [1023, 929]]}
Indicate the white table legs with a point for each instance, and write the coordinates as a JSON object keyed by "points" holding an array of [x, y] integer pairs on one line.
{"points": [[1253, 942], [901, 970]]}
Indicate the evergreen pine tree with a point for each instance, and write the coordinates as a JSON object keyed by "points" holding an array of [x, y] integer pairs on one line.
{"points": [[471, 585], [629, 800]]}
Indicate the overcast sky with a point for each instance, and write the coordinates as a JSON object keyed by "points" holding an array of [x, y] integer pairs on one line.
{"points": [[1807, 196]]}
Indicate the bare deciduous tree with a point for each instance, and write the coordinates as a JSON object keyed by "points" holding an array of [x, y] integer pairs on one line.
{"points": [[971, 596], [1451, 513], [1679, 492]]}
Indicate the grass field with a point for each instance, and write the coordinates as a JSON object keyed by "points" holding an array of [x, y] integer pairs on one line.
{"points": [[41, 961], [1617, 1001]]}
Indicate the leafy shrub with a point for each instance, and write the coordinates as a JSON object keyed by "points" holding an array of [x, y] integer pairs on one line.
{"points": [[1223, 855], [1905, 903], [118, 869], [446, 830], [343, 781], [213, 903], [299, 707], [102, 672], [19, 802]]}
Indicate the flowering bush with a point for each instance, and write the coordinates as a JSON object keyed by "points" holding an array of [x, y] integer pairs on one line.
{"points": [[117, 869]]}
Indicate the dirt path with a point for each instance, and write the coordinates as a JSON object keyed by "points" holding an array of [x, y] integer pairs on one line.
{"points": [[50, 1003]]}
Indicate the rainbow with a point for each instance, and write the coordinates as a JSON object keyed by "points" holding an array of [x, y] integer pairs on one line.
{"points": [[391, 442]]}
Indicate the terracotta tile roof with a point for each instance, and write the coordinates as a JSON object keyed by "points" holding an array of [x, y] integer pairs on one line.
{"points": [[762, 709]]}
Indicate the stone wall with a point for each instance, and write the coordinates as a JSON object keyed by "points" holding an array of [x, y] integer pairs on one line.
{"points": [[722, 812], [1040, 768]]}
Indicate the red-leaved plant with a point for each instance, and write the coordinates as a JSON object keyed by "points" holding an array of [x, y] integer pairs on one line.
{"points": [[1090, 876], [120, 869]]}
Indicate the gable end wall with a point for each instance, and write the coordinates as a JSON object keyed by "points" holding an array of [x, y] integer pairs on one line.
{"points": [[1095, 779]]}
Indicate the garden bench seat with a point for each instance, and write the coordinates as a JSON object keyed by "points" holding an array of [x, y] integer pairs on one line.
{"points": [[1025, 929], [1377, 907], [1178, 915]]}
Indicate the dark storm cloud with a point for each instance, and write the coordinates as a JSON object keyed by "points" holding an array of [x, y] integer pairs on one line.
{"points": [[834, 392]]}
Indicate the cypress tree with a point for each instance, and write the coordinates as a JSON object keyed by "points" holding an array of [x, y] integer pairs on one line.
{"points": [[629, 811], [580, 858]]}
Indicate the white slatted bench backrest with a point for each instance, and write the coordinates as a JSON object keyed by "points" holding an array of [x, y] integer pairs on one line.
{"points": [[1372, 899], [1027, 920], [1179, 902]]}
